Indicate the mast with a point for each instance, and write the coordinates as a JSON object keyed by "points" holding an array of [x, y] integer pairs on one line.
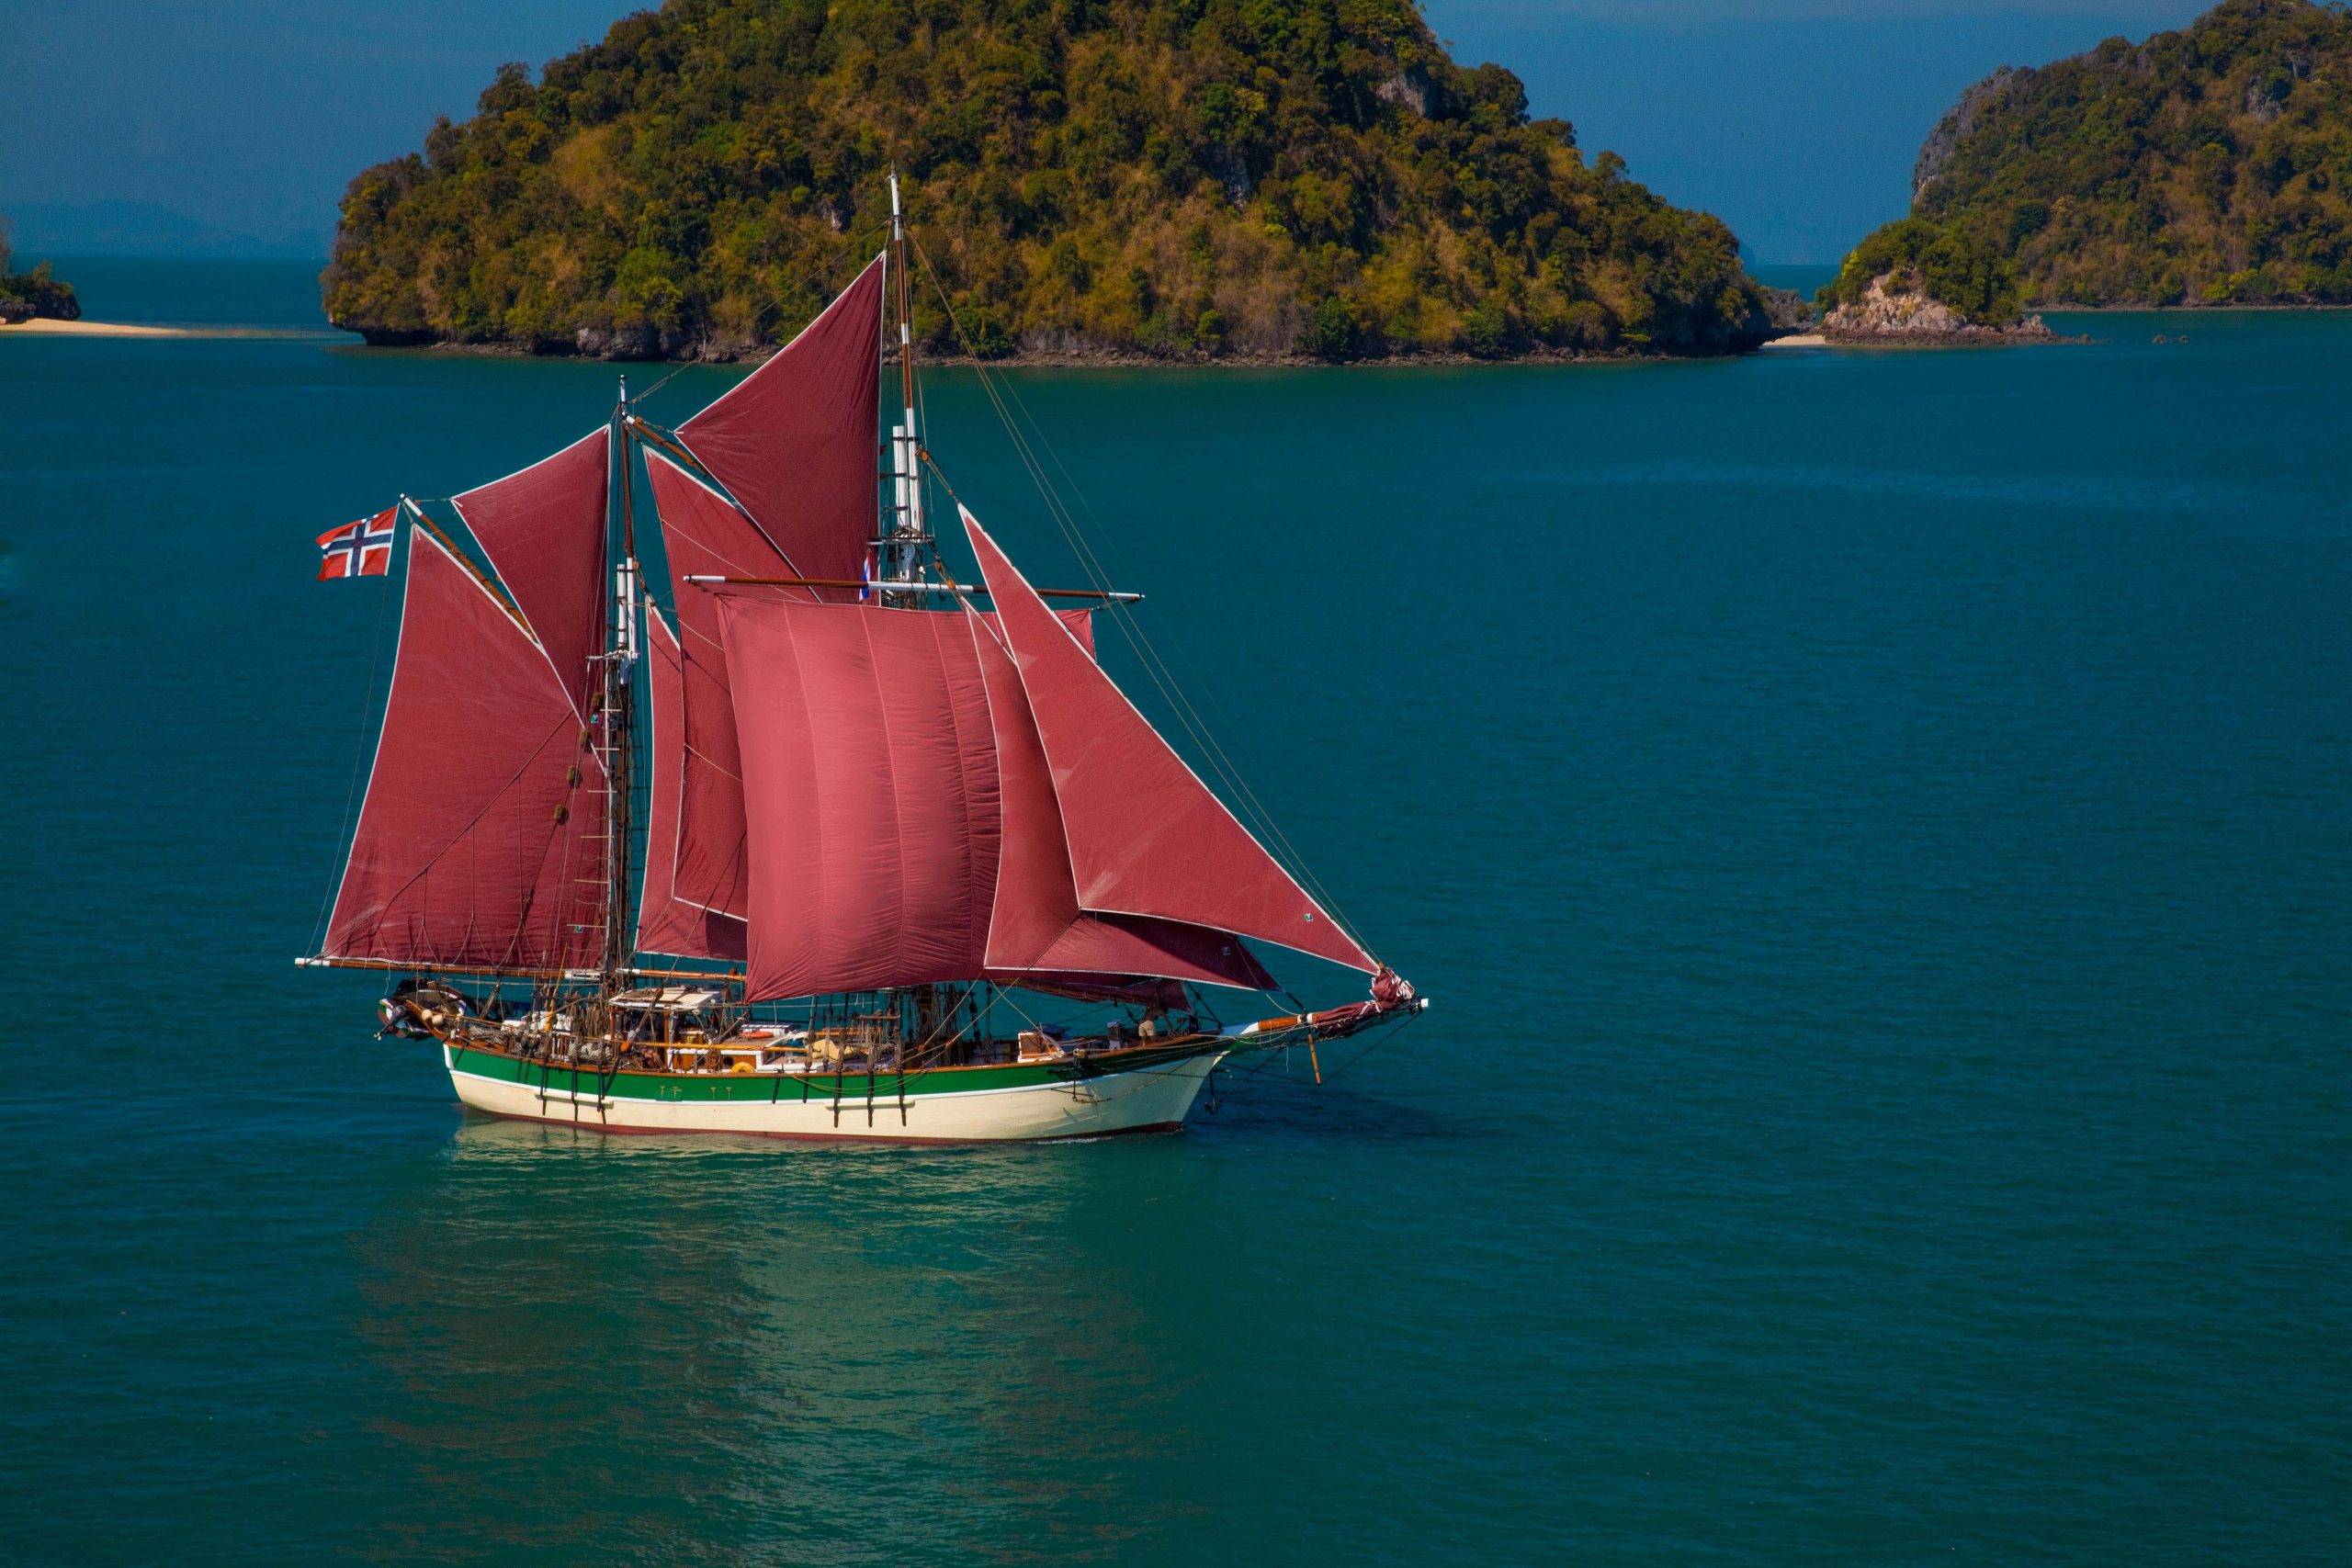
{"points": [[615, 715], [905, 542]]}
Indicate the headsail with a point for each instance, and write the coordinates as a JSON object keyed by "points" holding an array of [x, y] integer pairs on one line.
{"points": [[481, 839], [1145, 836], [543, 529], [664, 923], [1037, 927]]}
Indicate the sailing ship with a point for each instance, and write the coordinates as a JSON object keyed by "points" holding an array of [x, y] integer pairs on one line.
{"points": [[814, 854]]}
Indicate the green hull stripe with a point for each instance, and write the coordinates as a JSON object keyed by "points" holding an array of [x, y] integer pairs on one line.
{"points": [[764, 1088]]}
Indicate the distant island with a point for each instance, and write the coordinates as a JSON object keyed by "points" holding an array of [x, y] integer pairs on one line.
{"points": [[1170, 180], [25, 295], [2208, 166]]}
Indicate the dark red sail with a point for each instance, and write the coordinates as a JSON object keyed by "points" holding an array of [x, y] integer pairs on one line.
{"points": [[1037, 926], [704, 535], [543, 529], [480, 841], [796, 440], [1146, 837], [870, 794], [665, 924]]}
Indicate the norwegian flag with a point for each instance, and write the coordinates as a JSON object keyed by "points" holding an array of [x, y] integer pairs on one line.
{"points": [[358, 549]]}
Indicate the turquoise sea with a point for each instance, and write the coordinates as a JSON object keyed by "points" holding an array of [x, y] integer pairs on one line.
{"points": [[1874, 825]]}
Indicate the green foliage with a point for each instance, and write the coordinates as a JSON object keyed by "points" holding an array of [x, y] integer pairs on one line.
{"points": [[2208, 165], [1175, 176], [1961, 266], [35, 293]]}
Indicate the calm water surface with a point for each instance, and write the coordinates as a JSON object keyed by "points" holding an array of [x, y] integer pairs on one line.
{"points": [[1875, 826]]}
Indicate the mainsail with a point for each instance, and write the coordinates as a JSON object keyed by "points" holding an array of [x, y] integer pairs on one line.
{"points": [[481, 840]]}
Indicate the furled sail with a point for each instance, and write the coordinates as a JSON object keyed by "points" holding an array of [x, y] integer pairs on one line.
{"points": [[481, 840], [666, 924], [1146, 837], [543, 529], [796, 440]]}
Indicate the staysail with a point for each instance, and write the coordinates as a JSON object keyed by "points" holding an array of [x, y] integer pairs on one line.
{"points": [[664, 923], [1145, 836], [1035, 926], [543, 529], [481, 840]]}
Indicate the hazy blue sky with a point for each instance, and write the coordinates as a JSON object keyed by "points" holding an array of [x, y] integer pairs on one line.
{"points": [[1796, 121]]}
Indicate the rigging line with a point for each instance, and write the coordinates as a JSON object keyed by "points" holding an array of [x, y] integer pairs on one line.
{"points": [[1172, 688], [1163, 678], [850, 244], [1180, 693]]}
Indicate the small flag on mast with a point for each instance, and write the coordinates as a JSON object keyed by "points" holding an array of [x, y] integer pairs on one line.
{"points": [[358, 549]]}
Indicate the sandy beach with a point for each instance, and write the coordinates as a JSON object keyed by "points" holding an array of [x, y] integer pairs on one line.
{"points": [[42, 326]]}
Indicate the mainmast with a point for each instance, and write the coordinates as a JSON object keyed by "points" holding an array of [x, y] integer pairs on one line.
{"points": [[906, 541], [616, 711]]}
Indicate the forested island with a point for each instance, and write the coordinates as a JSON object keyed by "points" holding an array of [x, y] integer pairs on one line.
{"points": [[25, 295], [1160, 179], [2208, 166]]}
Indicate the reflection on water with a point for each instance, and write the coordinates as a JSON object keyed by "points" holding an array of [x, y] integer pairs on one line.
{"points": [[594, 1337]]}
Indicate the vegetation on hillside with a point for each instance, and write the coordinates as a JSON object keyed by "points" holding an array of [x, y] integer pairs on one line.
{"points": [[1950, 263], [1173, 177], [24, 294], [2207, 165]]}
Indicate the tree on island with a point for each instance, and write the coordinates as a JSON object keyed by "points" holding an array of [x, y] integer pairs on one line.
{"points": [[24, 296], [1169, 178]]}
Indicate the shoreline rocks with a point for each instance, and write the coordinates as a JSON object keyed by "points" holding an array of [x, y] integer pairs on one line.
{"points": [[1897, 311]]}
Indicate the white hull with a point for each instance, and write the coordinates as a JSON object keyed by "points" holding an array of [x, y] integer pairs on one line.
{"points": [[1147, 1098]]}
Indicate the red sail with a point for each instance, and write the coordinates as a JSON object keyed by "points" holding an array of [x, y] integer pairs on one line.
{"points": [[1037, 926], [704, 535], [663, 923], [1145, 836], [796, 440], [480, 841], [870, 794], [544, 531]]}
